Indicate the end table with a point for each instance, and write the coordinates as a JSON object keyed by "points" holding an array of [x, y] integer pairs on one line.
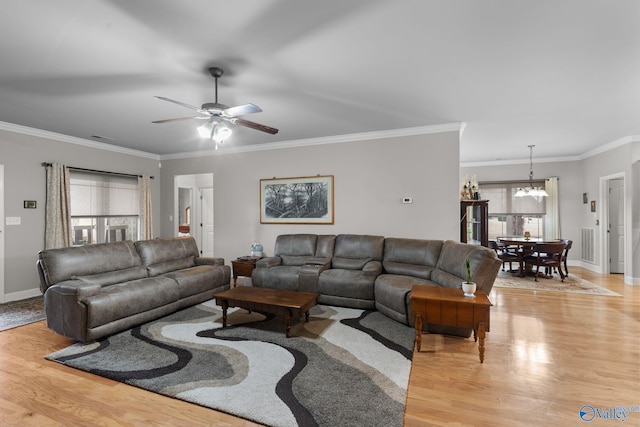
{"points": [[243, 266], [449, 307]]}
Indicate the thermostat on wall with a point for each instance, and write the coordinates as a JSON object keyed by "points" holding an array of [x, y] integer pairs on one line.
{"points": [[407, 200]]}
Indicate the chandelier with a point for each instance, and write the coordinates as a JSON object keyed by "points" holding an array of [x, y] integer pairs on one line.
{"points": [[536, 192]]}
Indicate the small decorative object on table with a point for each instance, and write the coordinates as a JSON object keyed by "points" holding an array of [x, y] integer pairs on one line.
{"points": [[256, 249], [469, 189], [468, 287]]}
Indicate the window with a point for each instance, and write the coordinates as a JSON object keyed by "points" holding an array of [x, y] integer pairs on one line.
{"points": [[512, 216], [104, 207]]}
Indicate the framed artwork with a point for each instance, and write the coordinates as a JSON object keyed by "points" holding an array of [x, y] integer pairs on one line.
{"points": [[301, 200], [593, 206], [585, 198]]}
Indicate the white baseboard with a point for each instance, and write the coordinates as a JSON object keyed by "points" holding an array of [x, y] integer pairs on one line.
{"points": [[17, 296]]}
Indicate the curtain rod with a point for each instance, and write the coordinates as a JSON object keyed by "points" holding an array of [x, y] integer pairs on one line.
{"points": [[97, 171]]}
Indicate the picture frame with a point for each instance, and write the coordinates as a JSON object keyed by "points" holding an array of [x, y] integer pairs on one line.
{"points": [[585, 198], [298, 200], [30, 204], [593, 206]]}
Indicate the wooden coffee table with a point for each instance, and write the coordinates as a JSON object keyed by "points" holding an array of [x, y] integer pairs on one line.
{"points": [[290, 304], [449, 307]]}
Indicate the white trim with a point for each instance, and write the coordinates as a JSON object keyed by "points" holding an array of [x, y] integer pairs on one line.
{"points": [[2, 233], [20, 295], [611, 145], [230, 149], [73, 140]]}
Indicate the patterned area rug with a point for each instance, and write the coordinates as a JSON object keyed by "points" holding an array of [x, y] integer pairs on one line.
{"points": [[343, 367], [571, 284], [18, 313]]}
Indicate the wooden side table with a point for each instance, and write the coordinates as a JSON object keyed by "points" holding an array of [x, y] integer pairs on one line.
{"points": [[243, 266], [449, 307]]}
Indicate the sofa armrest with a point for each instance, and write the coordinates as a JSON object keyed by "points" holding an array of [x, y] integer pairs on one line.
{"points": [[372, 268], [269, 262], [309, 274], [209, 261], [75, 289]]}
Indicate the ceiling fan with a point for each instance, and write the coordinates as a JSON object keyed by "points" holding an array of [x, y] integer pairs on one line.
{"points": [[217, 114]]}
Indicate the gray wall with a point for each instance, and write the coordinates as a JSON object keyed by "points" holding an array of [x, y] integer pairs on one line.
{"points": [[583, 176], [22, 156], [371, 178]]}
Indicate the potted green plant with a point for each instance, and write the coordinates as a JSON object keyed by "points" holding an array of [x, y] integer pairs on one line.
{"points": [[468, 287]]}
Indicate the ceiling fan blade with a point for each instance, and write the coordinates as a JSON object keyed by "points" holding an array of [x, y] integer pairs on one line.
{"points": [[241, 110], [178, 102], [177, 119], [254, 125]]}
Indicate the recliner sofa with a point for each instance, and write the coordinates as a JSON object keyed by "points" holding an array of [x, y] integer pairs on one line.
{"points": [[97, 290], [374, 272]]}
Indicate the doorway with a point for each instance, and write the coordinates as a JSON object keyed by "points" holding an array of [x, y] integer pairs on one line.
{"points": [[2, 297], [193, 209], [615, 226]]}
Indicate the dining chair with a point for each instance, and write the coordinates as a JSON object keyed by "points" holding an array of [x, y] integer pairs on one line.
{"points": [[506, 254], [565, 254], [547, 256]]}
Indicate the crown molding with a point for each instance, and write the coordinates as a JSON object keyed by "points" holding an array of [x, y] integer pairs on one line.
{"points": [[611, 145], [337, 139], [25, 130]]}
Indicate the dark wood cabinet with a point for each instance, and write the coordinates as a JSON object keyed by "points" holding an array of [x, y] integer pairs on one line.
{"points": [[474, 222]]}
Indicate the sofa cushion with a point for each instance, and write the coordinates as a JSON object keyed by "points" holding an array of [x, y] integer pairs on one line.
{"points": [[64, 263], [346, 283], [359, 246], [296, 245], [412, 257], [282, 277], [173, 265], [349, 263], [126, 299], [195, 280], [162, 250], [112, 277], [295, 260]]}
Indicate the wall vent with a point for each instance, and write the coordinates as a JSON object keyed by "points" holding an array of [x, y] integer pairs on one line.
{"points": [[588, 244]]}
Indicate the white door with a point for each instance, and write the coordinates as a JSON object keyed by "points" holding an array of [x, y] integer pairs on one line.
{"points": [[616, 226], [2, 233], [206, 218]]}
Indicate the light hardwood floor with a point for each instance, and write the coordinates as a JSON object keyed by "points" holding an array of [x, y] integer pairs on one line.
{"points": [[547, 355]]}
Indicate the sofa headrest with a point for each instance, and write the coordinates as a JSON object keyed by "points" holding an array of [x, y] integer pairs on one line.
{"points": [[64, 263], [162, 250], [296, 245], [412, 251], [359, 246]]}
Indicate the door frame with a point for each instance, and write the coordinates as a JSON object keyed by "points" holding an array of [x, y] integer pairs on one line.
{"points": [[2, 229], [604, 221]]}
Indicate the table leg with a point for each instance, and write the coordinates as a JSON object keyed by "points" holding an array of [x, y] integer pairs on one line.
{"points": [[306, 316], [287, 320], [481, 335], [225, 306], [418, 330]]}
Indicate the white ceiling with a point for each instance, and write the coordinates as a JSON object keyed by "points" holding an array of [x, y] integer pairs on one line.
{"points": [[561, 74]]}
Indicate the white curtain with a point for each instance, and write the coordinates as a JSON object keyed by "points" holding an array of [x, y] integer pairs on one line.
{"points": [[146, 229], [552, 217], [58, 210]]}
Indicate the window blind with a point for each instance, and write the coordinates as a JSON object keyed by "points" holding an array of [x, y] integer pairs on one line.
{"points": [[94, 194], [502, 201]]}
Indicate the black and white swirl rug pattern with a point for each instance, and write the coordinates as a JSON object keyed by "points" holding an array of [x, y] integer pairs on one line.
{"points": [[344, 367]]}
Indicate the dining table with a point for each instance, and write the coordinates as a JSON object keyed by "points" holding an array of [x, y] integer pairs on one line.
{"points": [[526, 246]]}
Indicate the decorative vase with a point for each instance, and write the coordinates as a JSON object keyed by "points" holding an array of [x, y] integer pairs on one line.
{"points": [[256, 249], [469, 289]]}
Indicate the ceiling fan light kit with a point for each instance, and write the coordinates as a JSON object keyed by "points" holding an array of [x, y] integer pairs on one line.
{"points": [[217, 114], [536, 192]]}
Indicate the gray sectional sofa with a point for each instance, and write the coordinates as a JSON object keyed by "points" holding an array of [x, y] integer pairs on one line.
{"points": [[373, 272], [97, 290]]}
